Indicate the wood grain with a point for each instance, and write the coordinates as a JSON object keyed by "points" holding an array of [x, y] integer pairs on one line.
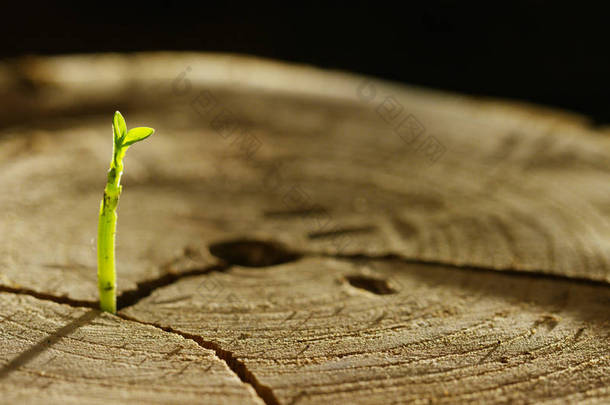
{"points": [[293, 154], [56, 354], [329, 236], [443, 336]]}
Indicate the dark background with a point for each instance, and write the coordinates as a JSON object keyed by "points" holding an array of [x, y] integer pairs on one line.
{"points": [[537, 51]]}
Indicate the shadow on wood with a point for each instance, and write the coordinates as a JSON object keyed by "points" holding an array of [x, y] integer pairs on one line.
{"points": [[46, 343]]}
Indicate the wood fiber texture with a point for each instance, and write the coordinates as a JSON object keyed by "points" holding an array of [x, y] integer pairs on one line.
{"points": [[64, 355], [326, 331], [306, 236]]}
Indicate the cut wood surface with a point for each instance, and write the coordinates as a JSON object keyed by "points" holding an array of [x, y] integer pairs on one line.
{"points": [[329, 236], [64, 355], [321, 331]]}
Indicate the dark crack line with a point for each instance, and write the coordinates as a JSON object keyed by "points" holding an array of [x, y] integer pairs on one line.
{"points": [[146, 288], [237, 366], [49, 297], [265, 393], [536, 274], [126, 298]]}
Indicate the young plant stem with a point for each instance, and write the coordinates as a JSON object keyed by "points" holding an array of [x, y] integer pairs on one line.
{"points": [[106, 271]]}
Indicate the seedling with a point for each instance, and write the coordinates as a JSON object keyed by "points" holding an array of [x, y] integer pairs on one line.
{"points": [[106, 273]]}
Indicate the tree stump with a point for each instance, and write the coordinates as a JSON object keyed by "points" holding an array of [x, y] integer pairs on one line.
{"points": [[298, 236]]}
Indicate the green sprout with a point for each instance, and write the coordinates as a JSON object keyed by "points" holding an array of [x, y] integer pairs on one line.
{"points": [[106, 273]]}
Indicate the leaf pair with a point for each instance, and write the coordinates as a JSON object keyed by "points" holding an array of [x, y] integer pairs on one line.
{"points": [[124, 138]]}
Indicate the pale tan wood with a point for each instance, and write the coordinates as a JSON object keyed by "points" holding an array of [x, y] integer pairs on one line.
{"points": [[55, 354], [519, 188], [444, 336], [309, 168]]}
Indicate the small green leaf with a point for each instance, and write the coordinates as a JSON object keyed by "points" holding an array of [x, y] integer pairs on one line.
{"points": [[119, 126], [137, 134]]}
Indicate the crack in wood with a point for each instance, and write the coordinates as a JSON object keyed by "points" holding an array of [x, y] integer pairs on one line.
{"points": [[537, 274], [237, 366], [49, 297], [145, 288], [233, 363], [289, 214]]}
